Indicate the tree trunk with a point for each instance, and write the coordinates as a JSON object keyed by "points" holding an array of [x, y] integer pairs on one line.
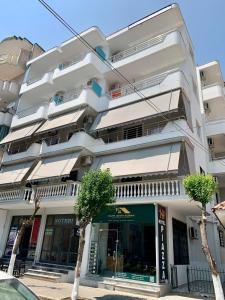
{"points": [[19, 237], [75, 289], [16, 245], [211, 262]]}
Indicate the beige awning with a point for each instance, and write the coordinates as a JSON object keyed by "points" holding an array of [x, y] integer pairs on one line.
{"points": [[61, 121], [54, 166], [14, 173], [144, 161], [138, 110], [20, 133]]}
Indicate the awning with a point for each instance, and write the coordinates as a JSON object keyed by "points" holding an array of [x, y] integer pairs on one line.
{"points": [[138, 110], [20, 133], [14, 173], [61, 121], [54, 166], [144, 161]]}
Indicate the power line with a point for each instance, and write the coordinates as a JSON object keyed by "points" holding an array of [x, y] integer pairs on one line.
{"points": [[116, 71]]}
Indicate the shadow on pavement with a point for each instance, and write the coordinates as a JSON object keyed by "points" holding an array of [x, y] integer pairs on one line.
{"points": [[118, 297]]}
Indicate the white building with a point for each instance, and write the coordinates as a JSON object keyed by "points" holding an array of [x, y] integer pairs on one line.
{"points": [[134, 105]]}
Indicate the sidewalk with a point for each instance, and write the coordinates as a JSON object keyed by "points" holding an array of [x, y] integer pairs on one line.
{"points": [[62, 291]]}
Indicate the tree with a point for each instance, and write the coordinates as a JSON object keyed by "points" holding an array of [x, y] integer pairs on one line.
{"points": [[201, 188], [20, 234], [96, 192]]}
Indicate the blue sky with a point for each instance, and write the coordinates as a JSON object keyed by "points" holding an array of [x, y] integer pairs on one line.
{"points": [[27, 18]]}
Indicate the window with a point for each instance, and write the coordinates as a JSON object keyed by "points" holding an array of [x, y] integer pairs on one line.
{"points": [[180, 243], [221, 238], [132, 132]]}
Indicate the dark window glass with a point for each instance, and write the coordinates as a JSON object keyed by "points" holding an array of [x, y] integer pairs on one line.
{"points": [[133, 132], [180, 243]]}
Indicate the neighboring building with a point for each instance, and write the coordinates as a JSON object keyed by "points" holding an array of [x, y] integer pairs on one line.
{"points": [[143, 119]]}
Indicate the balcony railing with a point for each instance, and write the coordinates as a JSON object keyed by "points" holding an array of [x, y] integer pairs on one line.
{"points": [[140, 189], [57, 190], [142, 84], [32, 110], [16, 195], [148, 189], [138, 48]]}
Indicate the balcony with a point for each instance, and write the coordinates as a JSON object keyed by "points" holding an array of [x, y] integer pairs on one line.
{"points": [[75, 98], [215, 127], [57, 194], [86, 67], [31, 153], [16, 197], [151, 137], [30, 115], [79, 140], [149, 86], [213, 92], [159, 52], [9, 90], [217, 166], [146, 189], [40, 85]]}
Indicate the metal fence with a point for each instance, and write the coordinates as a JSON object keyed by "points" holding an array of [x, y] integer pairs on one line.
{"points": [[199, 280]]}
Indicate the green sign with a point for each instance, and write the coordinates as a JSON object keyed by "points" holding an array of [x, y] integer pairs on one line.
{"points": [[143, 213], [133, 276]]}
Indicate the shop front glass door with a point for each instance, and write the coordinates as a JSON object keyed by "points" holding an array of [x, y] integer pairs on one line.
{"points": [[61, 240], [127, 250]]}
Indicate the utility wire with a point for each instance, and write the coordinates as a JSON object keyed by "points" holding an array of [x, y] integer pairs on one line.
{"points": [[116, 71]]}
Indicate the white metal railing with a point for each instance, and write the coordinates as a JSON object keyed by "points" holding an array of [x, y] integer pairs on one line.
{"points": [[16, 195], [206, 86], [143, 84], [71, 94], [29, 111], [57, 190], [138, 48], [148, 189]]}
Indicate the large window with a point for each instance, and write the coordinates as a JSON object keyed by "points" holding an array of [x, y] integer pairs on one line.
{"points": [[180, 243]]}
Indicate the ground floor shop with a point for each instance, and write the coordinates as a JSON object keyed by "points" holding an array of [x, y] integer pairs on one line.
{"points": [[137, 242]]}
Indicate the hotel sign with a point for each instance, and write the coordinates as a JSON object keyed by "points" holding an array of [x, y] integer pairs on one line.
{"points": [[162, 240], [144, 213]]}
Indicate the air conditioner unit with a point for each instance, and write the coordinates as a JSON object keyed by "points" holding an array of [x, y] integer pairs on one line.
{"points": [[210, 142], [87, 160], [193, 233], [206, 107]]}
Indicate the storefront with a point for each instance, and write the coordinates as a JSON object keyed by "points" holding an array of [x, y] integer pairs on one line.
{"points": [[61, 240], [29, 240], [124, 243]]}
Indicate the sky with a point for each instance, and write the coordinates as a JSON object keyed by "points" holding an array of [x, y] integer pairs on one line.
{"points": [[205, 21]]}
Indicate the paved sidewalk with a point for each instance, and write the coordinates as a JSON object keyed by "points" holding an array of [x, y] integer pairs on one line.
{"points": [[62, 291]]}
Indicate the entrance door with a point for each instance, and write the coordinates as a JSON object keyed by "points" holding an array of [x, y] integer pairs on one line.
{"points": [[61, 240]]}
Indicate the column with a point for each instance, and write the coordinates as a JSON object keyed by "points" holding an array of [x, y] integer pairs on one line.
{"points": [[40, 236]]}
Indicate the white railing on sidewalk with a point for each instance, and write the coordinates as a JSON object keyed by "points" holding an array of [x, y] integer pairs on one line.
{"points": [[148, 189]]}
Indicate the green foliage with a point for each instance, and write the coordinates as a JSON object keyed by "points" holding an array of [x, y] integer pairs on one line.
{"points": [[200, 187], [97, 190]]}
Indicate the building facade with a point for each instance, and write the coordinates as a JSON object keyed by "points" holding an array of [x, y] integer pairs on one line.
{"points": [[134, 103]]}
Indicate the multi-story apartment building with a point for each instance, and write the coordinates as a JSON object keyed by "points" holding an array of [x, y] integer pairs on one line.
{"points": [[131, 103]]}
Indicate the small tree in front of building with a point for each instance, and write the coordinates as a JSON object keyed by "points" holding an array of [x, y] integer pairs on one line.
{"points": [[201, 188], [24, 224], [96, 193]]}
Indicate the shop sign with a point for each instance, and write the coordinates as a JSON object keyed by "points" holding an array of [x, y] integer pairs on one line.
{"points": [[134, 276], [65, 221], [144, 213], [163, 263]]}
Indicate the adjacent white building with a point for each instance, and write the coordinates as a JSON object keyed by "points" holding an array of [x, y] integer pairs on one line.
{"points": [[135, 103]]}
